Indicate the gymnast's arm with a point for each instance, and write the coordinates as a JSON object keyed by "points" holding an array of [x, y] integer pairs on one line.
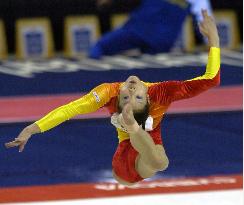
{"points": [[170, 91], [90, 102]]}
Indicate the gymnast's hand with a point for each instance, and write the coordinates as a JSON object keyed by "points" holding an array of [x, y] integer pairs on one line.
{"points": [[208, 29], [23, 137]]}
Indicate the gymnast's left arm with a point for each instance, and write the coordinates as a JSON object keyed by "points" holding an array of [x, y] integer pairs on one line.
{"points": [[90, 102]]}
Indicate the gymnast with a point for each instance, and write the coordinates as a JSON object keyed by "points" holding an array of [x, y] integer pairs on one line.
{"points": [[137, 109]]}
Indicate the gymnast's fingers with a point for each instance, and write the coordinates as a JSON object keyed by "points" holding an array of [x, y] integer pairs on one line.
{"points": [[22, 146], [14, 143]]}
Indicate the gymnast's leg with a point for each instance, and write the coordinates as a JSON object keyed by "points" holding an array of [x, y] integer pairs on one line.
{"points": [[152, 158]]}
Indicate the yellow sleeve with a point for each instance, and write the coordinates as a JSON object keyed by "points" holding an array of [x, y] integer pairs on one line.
{"points": [[90, 102], [213, 65]]}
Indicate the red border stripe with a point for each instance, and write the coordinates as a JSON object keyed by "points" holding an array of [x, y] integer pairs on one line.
{"points": [[79, 191], [31, 108]]}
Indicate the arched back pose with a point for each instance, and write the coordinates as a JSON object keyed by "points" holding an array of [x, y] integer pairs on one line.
{"points": [[137, 109]]}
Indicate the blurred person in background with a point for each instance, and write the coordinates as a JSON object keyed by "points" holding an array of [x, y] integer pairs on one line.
{"points": [[137, 109], [153, 26]]}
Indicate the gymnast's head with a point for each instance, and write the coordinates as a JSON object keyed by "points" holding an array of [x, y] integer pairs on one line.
{"points": [[134, 91]]}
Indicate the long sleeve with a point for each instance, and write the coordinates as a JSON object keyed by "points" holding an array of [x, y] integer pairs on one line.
{"points": [[90, 102], [169, 91]]}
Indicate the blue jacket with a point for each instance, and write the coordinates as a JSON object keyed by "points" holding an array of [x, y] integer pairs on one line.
{"points": [[158, 21]]}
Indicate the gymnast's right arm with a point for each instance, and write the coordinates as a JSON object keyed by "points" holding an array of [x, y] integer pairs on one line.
{"points": [[90, 102]]}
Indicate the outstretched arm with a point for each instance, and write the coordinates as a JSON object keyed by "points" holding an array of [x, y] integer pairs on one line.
{"points": [[170, 91], [91, 102]]}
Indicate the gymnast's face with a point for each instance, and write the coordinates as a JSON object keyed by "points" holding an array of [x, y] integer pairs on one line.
{"points": [[133, 91]]}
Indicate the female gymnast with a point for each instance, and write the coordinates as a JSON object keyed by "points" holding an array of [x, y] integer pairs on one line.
{"points": [[137, 109]]}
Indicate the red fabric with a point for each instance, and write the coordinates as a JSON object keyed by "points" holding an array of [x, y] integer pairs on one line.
{"points": [[166, 92], [125, 157], [112, 105], [124, 162], [156, 135]]}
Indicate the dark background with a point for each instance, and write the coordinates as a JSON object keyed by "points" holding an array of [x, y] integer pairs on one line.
{"points": [[56, 10]]}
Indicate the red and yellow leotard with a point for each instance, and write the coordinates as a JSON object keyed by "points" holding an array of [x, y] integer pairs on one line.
{"points": [[161, 95]]}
